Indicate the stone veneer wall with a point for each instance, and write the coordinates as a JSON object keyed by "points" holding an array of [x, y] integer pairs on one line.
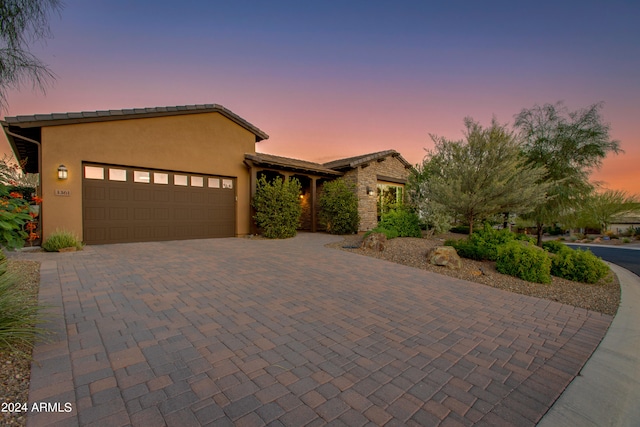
{"points": [[367, 176]]}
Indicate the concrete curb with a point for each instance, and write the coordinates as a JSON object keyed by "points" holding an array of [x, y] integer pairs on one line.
{"points": [[607, 390]]}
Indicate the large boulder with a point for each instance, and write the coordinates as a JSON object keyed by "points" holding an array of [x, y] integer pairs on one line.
{"points": [[445, 256], [375, 241]]}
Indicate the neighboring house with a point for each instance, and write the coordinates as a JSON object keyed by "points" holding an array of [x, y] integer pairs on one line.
{"points": [[172, 173], [625, 223]]}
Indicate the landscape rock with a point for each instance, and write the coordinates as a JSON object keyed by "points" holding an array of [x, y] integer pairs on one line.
{"points": [[375, 241], [445, 256]]}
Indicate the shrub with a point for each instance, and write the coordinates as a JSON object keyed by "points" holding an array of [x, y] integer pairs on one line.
{"points": [[524, 260], [277, 206], [579, 266], [483, 243], [14, 214], [403, 221], [19, 312], [339, 207], [626, 240], [555, 246], [435, 217], [61, 239], [390, 234]]}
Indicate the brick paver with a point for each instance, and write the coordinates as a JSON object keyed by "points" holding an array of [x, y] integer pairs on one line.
{"points": [[257, 332]]}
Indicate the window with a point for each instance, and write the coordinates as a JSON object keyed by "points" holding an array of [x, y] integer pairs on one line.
{"points": [[180, 180], [197, 181], [93, 172], [389, 195], [160, 178], [117, 174], [139, 176], [227, 183], [214, 182]]}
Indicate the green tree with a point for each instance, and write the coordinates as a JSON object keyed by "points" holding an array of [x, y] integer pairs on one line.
{"points": [[569, 145], [339, 207], [23, 22], [478, 178], [277, 207]]}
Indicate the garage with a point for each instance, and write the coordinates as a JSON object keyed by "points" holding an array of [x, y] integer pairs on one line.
{"points": [[123, 204]]}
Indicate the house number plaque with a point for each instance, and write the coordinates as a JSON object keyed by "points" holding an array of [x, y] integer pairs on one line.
{"points": [[65, 193]]}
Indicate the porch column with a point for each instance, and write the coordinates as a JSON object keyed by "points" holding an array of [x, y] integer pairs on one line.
{"points": [[253, 182], [313, 204]]}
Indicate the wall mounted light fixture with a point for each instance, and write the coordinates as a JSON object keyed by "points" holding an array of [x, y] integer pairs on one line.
{"points": [[370, 191], [63, 173]]}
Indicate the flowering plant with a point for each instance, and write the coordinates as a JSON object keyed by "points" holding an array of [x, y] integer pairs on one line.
{"points": [[14, 214]]}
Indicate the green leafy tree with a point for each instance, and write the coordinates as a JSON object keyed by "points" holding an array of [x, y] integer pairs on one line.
{"points": [[23, 22], [569, 145], [480, 177], [277, 207], [339, 207]]}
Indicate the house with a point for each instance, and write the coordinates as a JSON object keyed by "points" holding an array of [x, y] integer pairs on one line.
{"points": [[170, 173]]}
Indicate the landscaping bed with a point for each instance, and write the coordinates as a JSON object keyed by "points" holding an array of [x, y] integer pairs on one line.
{"points": [[15, 366], [602, 297]]}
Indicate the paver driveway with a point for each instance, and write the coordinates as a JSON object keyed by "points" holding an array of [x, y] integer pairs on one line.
{"points": [[255, 332]]}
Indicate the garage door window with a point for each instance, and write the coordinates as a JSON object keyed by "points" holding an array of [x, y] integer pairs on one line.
{"points": [[143, 177], [93, 172], [117, 174], [197, 181], [180, 180], [227, 183], [214, 182], [160, 178]]}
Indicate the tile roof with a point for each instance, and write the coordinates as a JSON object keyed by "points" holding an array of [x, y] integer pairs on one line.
{"points": [[354, 162], [293, 164], [41, 120]]}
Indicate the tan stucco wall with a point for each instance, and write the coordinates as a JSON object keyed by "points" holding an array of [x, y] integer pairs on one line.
{"points": [[367, 176], [206, 143]]}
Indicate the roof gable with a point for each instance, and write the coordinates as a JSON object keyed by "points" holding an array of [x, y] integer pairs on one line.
{"points": [[286, 163], [354, 162]]}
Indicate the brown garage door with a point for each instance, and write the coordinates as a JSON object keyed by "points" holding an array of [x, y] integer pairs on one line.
{"points": [[125, 204]]}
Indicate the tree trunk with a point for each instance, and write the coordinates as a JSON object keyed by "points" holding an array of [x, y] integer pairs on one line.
{"points": [[506, 220], [539, 228], [470, 226]]}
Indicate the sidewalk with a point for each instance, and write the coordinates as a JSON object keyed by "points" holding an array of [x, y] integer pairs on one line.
{"points": [[607, 390]]}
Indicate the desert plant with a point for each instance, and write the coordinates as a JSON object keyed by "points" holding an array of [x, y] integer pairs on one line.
{"points": [[402, 220], [483, 244], [626, 240], [579, 266], [524, 260], [61, 239], [19, 313], [277, 206], [339, 207], [389, 233]]}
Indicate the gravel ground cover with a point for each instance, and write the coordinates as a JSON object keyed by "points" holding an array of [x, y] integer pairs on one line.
{"points": [[603, 297]]}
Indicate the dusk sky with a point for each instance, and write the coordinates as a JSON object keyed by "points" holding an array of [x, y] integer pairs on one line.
{"points": [[331, 79]]}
